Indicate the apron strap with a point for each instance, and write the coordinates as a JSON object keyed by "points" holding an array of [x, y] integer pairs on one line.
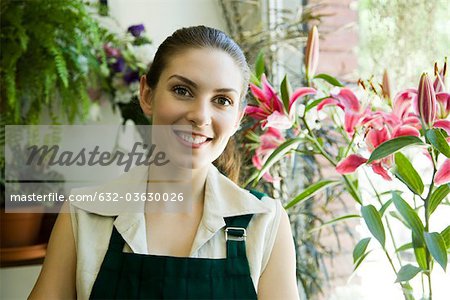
{"points": [[235, 231], [116, 242], [235, 234]]}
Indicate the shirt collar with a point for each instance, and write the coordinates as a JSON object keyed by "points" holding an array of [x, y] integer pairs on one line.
{"points": [[223, 198]]}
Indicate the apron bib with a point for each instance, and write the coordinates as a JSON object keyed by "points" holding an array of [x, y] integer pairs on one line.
{"points": [[141, 276]]}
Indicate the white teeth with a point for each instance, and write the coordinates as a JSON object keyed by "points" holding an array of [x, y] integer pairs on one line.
{"points": [[190, 139]]}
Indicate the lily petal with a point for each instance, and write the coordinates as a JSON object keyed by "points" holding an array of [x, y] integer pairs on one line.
{"points": [[404, 130], [329, 101], [376, 137], [256, 160], [271, 96], [443, 100], [257, 92], [444, 124], [443, 174], [378, 169], [351, 120], [278, 120], [402, 102], [350, 164], [301, 92], [348, 99], [255, 112]]}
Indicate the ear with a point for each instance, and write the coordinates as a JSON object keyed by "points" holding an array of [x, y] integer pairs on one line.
{"points": [[145, 99]]}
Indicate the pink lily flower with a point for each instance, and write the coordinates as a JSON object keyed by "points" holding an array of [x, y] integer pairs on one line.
{"points": [[270, 109], [443, 101], [443, 174], [374, 138], [443, 124], [348, 102], [438, 84], [270, 140]]}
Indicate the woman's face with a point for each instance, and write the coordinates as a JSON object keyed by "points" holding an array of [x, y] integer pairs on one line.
{"points": [[198, 95]]}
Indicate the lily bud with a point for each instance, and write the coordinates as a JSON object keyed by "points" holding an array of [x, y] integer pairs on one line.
{"points": [[385, 87], [439, 82], [312, 52], [426, 101]]}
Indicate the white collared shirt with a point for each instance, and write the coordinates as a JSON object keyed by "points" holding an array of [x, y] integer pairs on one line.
{"points": [[92, 226]]}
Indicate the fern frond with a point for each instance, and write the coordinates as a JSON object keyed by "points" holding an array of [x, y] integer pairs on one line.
{"points": [[60, 64], [10, 85]]}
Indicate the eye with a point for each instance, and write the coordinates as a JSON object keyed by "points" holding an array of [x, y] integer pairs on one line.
{"points": [[182, 91], [224, 101]]}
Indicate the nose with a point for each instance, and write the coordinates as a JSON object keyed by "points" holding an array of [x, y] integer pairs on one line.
{"points": [[199, 114]]}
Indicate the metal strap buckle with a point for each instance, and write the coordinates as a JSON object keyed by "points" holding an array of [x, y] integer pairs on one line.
{"points": [[230, 237]]}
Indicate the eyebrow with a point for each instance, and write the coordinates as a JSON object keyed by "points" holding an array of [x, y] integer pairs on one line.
{"points": [[193, 84]]}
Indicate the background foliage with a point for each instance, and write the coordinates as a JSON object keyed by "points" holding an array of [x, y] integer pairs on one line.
{"points": [[404, 36]]}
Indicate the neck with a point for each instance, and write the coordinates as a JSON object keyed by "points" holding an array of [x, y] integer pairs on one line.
{"points": [[188, 182]]}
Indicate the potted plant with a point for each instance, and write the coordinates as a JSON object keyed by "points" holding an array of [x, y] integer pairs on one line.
{"points": [[50, 54]]}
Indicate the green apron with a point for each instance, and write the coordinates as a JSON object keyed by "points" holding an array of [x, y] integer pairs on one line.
{"points": [[141, 276]]}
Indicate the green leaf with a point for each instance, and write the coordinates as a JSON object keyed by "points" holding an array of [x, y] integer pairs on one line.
{"points": [[395, 215], [330, 79], [408, 214], [392, 146], [254, 79], [438, 195], [407, 174], [331, 222], [419, 251], [314, 103], [311, 191], [436, 246], [286, 92], [360, 260], [446, 237], [360, 249], [259, 65], [384, 207], [373, 221], [437, 139], [353, 192], [404, 247], [282, 150], [407, 273]]}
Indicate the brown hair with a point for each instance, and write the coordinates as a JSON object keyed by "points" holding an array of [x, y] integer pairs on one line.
{"points": [[229, 161]]}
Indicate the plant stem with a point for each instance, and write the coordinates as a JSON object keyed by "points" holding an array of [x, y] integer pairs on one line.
{"points": [[350, 145], [388, 225], [427, 222], [395, 271], [312, 137]]}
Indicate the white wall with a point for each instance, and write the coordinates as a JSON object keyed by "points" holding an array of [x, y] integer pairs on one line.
{"points": [[162, 17]]}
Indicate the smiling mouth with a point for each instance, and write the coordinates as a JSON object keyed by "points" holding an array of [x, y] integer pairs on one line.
{"points": [[191, 139]]}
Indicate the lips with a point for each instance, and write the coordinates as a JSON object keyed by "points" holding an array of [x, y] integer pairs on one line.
{"points": [[192, 139]]}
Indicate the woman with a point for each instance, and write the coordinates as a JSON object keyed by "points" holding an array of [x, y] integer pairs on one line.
{"points": [[230, 245]]}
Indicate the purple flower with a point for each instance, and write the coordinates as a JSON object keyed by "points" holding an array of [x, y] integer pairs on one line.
{"points": [[119, 65], [136, 30], [131, 76]]}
